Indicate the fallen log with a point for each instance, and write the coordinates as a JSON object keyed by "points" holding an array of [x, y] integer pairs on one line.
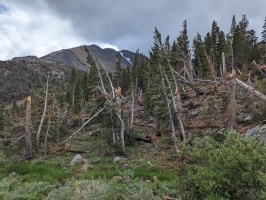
{"points": [[256, 93]]}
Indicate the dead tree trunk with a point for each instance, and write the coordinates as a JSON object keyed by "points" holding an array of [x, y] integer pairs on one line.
{"points": [[118, 113], [171, 118], [256, 93], [252, 107], [132, 110], [47, 132], [177, 107], [224, 67], [43, 116], [231, 107], [28, 130]]}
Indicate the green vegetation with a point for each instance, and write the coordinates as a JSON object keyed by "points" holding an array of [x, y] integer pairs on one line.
{"points": [[183, 101], [233, 168]]}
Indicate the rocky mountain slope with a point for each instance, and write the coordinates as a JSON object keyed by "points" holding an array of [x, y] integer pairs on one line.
{"points": [[21, 76], [77, 57]]}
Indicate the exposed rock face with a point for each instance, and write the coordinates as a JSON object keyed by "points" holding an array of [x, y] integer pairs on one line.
{"points": [[77, 57], [258, 132], [77, 159]]}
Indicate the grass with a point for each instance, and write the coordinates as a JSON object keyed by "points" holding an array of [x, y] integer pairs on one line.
{"points": [[53, 177], [47, 170]]}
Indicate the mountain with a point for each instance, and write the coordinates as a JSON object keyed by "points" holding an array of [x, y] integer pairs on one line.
{"points": [[22, 76], [77, 57]]}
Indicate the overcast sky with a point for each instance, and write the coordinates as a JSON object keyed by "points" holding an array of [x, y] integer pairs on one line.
{"points": [[38, 27]]}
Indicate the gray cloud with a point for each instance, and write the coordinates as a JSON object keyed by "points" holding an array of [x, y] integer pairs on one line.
{"points": [[127, 24]]}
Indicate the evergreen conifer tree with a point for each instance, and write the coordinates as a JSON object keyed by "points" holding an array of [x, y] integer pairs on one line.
{"points": [[263, 33]]}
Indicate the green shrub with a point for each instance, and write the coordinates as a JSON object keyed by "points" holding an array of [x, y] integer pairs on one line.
{"points": [[234, 169], [16, 189]]}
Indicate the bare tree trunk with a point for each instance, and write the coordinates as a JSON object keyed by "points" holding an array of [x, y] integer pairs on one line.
{"points": [[231, 107], [122, 133], [191, 70], [253, 112], [47, 133], [28, 130], [88, 121], [171, 118], [224, 67], [177, 108], [43, 116], [256, 93], [73, 96], [118, 113], [132, 110], [60, 122]]}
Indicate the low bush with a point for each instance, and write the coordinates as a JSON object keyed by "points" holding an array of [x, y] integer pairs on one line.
{"points": [[233, 169]]}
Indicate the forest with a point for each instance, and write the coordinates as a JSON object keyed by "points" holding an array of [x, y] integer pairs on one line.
{"points": [[174, 126]]}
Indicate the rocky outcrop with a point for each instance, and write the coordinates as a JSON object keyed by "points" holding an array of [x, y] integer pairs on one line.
{"points": [[258, 132]]}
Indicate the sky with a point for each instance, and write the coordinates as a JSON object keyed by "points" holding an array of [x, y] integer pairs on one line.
{"points": [[39, 27]]}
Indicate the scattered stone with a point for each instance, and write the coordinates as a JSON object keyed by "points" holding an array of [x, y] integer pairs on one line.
{"points": [[13, 175], [117, 158], [194, 113], [85, 166], [126, 179], [154, 178], [117, 177], [77, 159], [258, 132]]}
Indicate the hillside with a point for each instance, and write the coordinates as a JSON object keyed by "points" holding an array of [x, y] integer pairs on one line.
{"points": [[22, 76], [77, 57]]}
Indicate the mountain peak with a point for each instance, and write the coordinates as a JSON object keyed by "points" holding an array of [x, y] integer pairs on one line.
{"points": [[77, 57]]}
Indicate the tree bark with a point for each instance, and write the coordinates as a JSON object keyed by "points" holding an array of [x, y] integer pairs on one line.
{"points": [[231, 107], [28, 130], [224, 67], [88, 121], [171, 118], [256, 93], [43, 116], [132, 110], [252, 107]]}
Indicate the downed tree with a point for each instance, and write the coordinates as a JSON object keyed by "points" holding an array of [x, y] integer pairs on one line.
{"points": [[256, 93]]}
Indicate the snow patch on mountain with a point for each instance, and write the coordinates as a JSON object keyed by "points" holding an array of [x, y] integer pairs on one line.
{"points": [[128, 59]]}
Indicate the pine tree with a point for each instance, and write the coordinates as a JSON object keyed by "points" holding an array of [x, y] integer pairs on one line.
{"points": [[182, 40], [233, 28], [126, 81], [2, 119], [118, 69], [214, 50], [263, 33], [200, 61], [183, 46]]}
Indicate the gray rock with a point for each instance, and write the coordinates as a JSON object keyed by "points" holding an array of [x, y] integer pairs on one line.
{"points": [[117, 158], [258, 132], [126, 179], [13, 175], [117, 178], [77, 159]]}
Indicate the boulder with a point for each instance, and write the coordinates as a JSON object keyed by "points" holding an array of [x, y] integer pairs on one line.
{"points": [[117, 158], [77, 159], [258, 132], [13, 175]]}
